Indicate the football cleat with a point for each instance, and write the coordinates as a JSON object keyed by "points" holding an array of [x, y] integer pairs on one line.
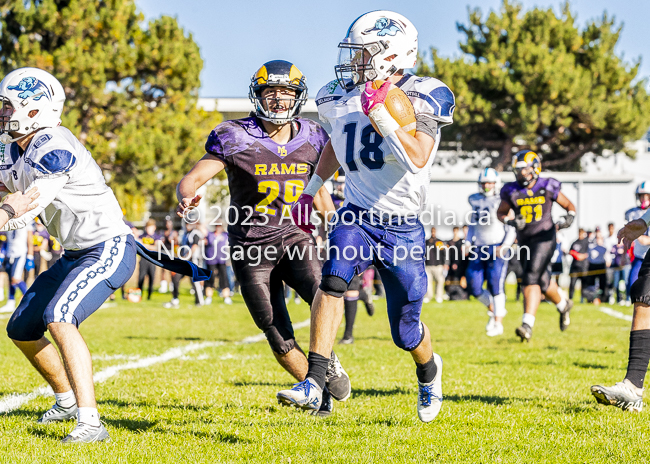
{"points": [[491, 321], [326, 405], [525, 332], [430, 394], [346, 341], [565, 320], [337, 380], [172, 304], [304, 395], [495, 330], [58, 413], [619, 395], [86, 433]]}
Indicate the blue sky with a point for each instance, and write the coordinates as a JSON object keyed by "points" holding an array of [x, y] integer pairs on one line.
{"points": [[237, 37]]}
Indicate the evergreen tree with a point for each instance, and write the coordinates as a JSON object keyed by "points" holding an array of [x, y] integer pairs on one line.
{"points": [[536, 80]]}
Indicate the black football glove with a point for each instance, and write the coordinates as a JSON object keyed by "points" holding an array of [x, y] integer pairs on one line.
{"points": [[566, 221], [519, 222]]}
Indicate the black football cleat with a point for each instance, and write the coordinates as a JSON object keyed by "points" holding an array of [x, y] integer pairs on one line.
{"points": [[565, 320], [525, 332]]}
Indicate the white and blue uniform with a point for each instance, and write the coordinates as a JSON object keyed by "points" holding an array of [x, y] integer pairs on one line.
{"points": [[485, 232], [81, 212], [16, 252], [639, 250], [379, 182]]}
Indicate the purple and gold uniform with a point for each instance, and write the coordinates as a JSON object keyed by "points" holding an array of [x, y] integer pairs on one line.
{"points": [[265, 179], [534, 204]]}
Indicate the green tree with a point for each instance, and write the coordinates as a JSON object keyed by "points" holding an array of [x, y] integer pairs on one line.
{"points": [[535, 80], [131, 88]]}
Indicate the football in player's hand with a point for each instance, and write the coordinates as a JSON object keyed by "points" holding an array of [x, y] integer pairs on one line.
{"points": [[399, 106]]}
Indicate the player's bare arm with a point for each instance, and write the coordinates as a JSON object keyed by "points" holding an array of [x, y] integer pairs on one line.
{"points": [[503, 212], [204, 170]]}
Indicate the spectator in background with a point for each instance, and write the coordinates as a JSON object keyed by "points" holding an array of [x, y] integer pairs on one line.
{"points": [[556, 260], [621, 272], [169, 241], [150, 239], [456, 282], [580, 265], [56, 250], [598, 263], [215, 259], [610, 242], [190, 245], [435, 260]]}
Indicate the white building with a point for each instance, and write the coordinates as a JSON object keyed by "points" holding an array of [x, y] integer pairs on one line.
{"points": [[602, 192]]}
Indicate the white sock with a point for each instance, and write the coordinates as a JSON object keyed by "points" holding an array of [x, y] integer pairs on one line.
{"points": [[485, 298], [65, 399], [528, 319], [500, 305], [561, 305], [88, 416]]}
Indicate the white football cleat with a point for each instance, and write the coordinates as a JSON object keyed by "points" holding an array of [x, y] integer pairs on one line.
{"points": [[430, 394], [495, 330], [491, 321], [620, 395], [10, 307], [58, 413], [86, 433], [172, 304], [304, 395]]}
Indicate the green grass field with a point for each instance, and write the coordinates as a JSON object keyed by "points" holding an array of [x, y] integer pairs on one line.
{"points": [[214, 399]]}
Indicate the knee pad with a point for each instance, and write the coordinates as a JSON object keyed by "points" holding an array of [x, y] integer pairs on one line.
{"points": [[278, 343], [21, 332], [408, 338], [333, 285]]}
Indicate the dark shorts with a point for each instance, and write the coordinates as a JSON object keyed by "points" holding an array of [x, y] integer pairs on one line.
{"points": [[74, 288], [535, 262], [640, 289], [556, 268], [358, 241], [261, 271]]}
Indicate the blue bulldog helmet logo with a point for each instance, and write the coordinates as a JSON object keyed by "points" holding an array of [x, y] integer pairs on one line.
{"points": [[29, 87], [385, 26]]}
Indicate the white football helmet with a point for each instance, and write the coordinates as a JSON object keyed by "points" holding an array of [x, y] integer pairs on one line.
{"points": [[489, 175], [391, 43], [22, 91], [642, 189]]}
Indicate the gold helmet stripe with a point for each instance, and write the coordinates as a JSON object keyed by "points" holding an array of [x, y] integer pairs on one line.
{"points": [[295, 75], [261, 76]]}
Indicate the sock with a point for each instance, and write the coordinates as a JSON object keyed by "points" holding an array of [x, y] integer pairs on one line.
{"points": [[485, 298], [65, 399], [12, 292], [426, 372], [23, 287], [637, 364], [350, 316], [88, 416], [561, 305], [528, 319], [500, 305], [317, 368]]}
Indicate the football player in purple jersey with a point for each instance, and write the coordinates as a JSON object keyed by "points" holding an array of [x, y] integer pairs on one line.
{"points": [[269, 158], [531, 198]]}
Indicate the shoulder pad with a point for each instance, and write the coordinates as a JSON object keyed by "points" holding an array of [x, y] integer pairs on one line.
{"points": [[318, 137], [327, 97], [228, 138], [431, 97], [50, 153], [474, 197]]}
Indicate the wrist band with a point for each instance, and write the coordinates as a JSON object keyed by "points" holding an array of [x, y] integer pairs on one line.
{"points": [[314, 185], [9, 210], [384, 121]]}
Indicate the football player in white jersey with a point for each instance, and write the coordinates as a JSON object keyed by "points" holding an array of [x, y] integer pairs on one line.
{"points": [[489, 236], [80, 210], [387, 179]]}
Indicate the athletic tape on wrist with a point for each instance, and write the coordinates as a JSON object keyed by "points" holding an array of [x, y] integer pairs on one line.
{"points": [[314, 185], [384, 121]]}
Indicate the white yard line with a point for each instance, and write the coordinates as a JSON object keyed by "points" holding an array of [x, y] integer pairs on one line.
{"points": [[614, 313], [11, 402]]}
